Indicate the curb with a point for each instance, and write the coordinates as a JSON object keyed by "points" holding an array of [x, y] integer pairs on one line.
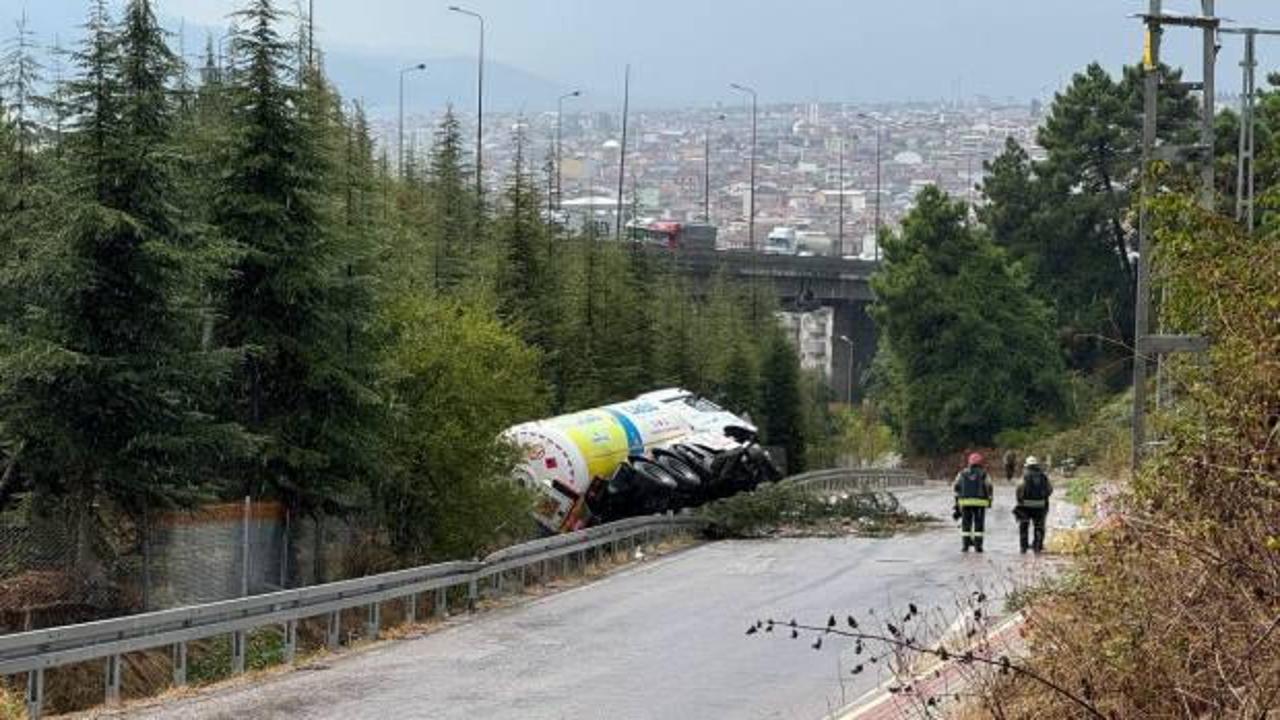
{"points": [[934, 680]]}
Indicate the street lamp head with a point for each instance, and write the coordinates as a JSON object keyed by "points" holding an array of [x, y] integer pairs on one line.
{"points": [[576, 93], [845, 338], [420, 66]]}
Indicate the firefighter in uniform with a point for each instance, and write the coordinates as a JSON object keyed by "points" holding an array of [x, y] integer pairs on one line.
{"points": [[1033, 505], [973, 496]]}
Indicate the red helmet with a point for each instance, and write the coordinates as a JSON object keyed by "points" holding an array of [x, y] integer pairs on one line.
{"points": [[976, 459]]}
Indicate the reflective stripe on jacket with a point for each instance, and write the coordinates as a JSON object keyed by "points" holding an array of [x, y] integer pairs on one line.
{"points": [[1034, 490], [973, 488]]}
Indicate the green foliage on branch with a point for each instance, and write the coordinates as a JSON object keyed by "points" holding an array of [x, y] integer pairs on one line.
{"points": [[785, 506], [967, 349], [1068, 218]]}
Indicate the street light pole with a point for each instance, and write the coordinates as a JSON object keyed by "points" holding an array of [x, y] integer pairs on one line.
{"points": [[622, 150], [876, 229], [559, 150], [879, 197], [479, 104], [751, 218], [400, 126], [840, 231], [849, 388], [706, 172]]}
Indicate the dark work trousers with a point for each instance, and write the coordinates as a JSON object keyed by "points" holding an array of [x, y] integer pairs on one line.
{"points": [[1028, 518], [973, 521]]}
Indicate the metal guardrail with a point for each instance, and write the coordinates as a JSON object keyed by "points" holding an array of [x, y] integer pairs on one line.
{"points": [[856, 479], [36, 651]]}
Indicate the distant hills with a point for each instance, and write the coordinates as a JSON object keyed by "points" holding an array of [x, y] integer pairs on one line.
{"points": [[374, 80]]}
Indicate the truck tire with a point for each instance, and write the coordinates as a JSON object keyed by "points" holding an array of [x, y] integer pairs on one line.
{"points": [[690, 492], [695, 458], [655, 487]]}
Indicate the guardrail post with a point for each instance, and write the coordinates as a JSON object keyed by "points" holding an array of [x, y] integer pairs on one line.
{"points": [[374, 621], [237, 652], [523, 578], [113, 679], [411, 611], [333, 638], [497, 583], [473, 592], [442, 603], [179, 664], [290, 641], [35, 693]]}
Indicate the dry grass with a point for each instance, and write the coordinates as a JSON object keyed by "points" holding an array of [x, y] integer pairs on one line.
{"points": [[1173, 610], [11, 704]]}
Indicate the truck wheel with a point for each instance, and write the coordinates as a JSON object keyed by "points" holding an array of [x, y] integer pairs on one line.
{"points": [[655, 487], [690, 493], [695, 458]]}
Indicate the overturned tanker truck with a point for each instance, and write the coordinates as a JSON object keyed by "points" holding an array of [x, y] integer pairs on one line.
{"points": [[665, 450]]}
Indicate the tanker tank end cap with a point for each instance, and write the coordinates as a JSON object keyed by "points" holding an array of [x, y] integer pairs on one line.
{"points": [[739, 433]]}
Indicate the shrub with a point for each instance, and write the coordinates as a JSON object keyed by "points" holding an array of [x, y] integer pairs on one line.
{"points": [[1176, 609]]}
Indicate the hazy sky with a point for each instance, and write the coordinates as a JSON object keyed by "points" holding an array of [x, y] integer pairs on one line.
{"points": [[687, 51]]}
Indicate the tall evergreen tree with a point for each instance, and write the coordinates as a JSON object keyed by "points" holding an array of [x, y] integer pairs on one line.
{"points": [[1066, 218], [103, 384], [527, 289], [290, 302], [20, 101], [782, 398], [451, 202], [972, 350]]}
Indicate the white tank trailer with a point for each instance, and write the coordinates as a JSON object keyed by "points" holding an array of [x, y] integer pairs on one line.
{"points": [[665, 450]]}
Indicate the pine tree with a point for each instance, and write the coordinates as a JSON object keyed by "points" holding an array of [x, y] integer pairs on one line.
{"points": [[105, 389], [972, 348], [452, 205], [527, 290], [782, 401], [290, 301], [20, 75]]}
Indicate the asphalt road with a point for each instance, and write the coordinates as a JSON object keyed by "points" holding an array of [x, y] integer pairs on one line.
{"points": [[663, 639]]}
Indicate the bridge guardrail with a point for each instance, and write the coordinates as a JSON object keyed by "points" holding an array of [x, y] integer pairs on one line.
{"points": [[36, 651], [838, 479]]}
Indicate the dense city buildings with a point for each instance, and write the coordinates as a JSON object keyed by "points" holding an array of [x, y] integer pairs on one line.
{"points": [[692, 165]]}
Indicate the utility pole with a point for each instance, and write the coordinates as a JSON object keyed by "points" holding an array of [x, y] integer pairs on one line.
{"points": [[559, 196], [849, 378], [706, 175], [622, 149], [840, 232], [311, 33], [1151, 90], [400, 124], [706, 171], [751, 214], [876, 230], [1210, 29], [1147, 346], [751, 219], [479, 113], [1246, 155]]}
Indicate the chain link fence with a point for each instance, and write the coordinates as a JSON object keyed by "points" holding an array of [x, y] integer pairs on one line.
{"points": [[66, 565]]}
